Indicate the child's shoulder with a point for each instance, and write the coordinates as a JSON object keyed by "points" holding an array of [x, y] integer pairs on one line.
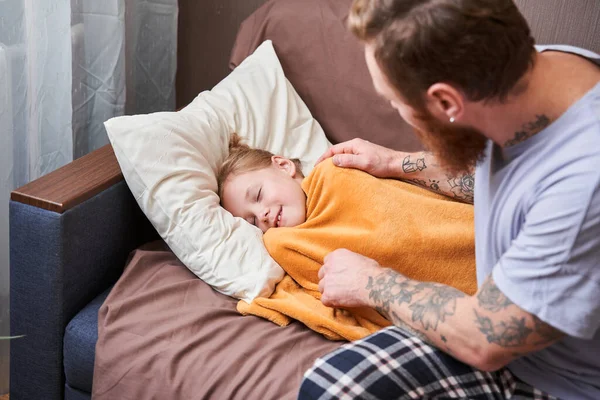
{"points": [[324, 167], [326, 176], [327, 168]]}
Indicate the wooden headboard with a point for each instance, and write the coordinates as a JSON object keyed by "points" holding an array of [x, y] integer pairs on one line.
{"points": [[207, 30]]}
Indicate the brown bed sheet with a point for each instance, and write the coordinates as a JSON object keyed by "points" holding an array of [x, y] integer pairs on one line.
{"points": [[165, 334], [325, 63]]}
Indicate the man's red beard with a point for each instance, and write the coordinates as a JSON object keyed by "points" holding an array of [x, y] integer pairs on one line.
{"points": [[457, 148]]}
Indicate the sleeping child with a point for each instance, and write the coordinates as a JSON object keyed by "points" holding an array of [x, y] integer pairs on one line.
{"points": [[425, 236]]}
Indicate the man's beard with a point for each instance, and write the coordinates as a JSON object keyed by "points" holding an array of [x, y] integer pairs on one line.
{"points": [[458, 149]]}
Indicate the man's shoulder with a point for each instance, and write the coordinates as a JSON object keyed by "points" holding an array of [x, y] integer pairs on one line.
{"points": [[569, 49]]}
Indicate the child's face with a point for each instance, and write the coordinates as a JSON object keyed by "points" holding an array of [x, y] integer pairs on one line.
{"points": [[267, 198]]}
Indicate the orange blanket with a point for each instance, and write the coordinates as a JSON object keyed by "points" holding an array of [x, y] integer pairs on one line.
{"points": [[420, 234]]}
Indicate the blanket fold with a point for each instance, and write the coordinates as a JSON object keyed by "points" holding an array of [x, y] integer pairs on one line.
{"points": [[424, 236]]}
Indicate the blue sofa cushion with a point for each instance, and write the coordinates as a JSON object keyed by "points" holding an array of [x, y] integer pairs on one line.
{"points": [[79, 346]]}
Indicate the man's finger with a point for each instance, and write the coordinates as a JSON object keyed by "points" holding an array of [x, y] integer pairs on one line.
{"points": [[321, 272], [340, 148], [350, 161], [328, 153]]}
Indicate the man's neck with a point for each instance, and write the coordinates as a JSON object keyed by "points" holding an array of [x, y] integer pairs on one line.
{"points": [[553, 84]]}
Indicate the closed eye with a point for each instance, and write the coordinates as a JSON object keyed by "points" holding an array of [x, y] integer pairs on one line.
{"points": [[257, 200]]}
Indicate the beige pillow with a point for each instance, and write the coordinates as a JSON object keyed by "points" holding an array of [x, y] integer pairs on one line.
{"points": [[169, 160]]}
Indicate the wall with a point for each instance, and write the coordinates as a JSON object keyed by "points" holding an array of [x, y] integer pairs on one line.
{"points": [[574, 22]]}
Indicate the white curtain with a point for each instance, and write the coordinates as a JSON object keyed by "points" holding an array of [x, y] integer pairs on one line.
{"points": [[66, 66]]}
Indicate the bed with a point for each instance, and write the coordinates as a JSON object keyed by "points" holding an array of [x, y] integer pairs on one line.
{"points": [[85, 259]]}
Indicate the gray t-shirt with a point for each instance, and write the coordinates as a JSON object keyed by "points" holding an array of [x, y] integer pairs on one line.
{"points": [[537, 229]]}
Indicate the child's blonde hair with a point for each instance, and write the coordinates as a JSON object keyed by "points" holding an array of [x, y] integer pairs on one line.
{"points": [[243, 158]]}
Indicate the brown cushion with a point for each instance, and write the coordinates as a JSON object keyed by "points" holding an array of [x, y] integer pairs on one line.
{"points": [[325, 64], [165, 334]]}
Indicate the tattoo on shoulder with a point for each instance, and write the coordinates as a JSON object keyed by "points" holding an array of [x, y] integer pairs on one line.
{"points": [[409, 166], [529, 129], [491, 298]]}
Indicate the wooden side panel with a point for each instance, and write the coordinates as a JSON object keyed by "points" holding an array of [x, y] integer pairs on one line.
{"points": [[72, 184]]}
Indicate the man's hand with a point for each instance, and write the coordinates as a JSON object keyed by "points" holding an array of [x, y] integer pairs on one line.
{"points": [[366, 156], [343, 278], [420, 168]]}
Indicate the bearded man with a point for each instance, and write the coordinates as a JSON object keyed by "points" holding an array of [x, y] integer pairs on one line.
{"points": [[515, 128]]}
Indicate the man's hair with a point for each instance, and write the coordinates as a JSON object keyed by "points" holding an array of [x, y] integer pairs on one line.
{"points": [[483, 47], [243, 158]]}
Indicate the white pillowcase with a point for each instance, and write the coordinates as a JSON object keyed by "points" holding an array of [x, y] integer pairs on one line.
{"points": [[170, 160]]}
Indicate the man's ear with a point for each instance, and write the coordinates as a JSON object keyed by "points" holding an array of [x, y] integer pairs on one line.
{"points": [[445, 102], [284, 164]]}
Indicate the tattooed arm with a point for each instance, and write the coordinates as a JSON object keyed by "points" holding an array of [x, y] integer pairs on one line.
{"points": [[419, 168], [422, 169], [486, 330]]}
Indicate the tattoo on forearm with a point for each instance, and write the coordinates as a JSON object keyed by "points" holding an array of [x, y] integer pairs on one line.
{"points": [[389, 288], [491, 298], [395, 319], [438, 302], [435, 306], [433, 184], [409, 166], [529, 129], [511, 333], [463, 187], [447, 349]]}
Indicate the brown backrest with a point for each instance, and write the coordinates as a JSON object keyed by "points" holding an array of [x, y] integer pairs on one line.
{"points": [[325, 64], [323, 60], [206, 32]]}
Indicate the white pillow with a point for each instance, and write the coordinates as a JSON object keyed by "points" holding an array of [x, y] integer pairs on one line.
{"points": [[170, 159]]}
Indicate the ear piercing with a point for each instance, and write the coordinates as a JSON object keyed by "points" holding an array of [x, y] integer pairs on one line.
{"points": [[451, 119]]}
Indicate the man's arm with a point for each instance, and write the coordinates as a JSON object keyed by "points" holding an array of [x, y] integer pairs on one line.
{"points": [[486, 331], [418, 168], [423, 169]]}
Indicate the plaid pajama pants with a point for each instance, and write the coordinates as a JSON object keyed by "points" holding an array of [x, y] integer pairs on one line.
{"points": [[392, 364]]}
